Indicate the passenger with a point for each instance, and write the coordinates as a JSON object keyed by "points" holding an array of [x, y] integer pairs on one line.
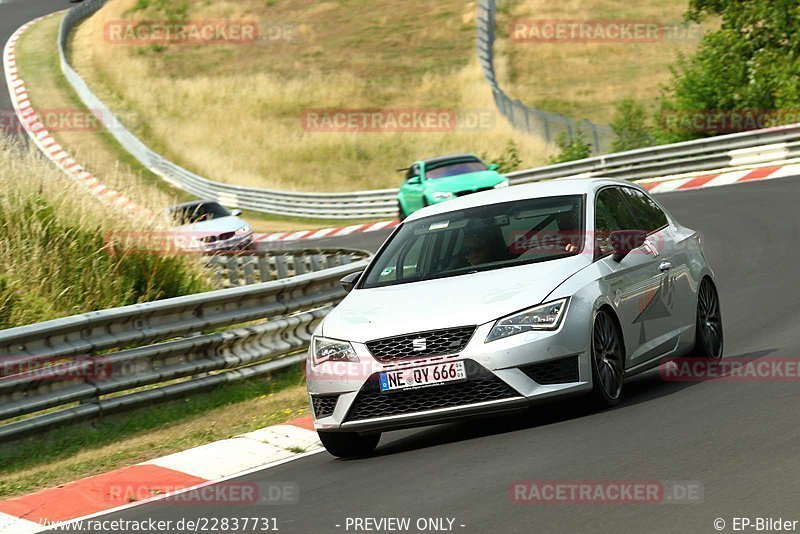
{"points": [[568, 231], [566, 237]]}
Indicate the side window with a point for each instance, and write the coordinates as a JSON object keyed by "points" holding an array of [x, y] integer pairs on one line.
{"points": [[611, 214], [405, 264], [647, 212]]}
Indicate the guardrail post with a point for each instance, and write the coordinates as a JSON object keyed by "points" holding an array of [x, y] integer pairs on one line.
{"points": [[299, 264], [281, 268], [249, 271], [263, 269], [233, 270]]}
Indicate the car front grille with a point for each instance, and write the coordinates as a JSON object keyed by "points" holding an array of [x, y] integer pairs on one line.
{"points": [[480, 386], [469, 191], [324, 405], [221, 237], [437, 343], [561, 371]]}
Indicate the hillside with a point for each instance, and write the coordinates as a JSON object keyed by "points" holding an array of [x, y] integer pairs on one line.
{"points": [[240, 112], [617, 57], [234, 112]]}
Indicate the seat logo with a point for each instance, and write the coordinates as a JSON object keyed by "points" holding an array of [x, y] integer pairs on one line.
{"points": [[420, 344]]}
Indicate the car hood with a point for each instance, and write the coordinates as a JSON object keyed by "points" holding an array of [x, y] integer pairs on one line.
{"points": [[470, 299], [466, 182], [214, 226]]}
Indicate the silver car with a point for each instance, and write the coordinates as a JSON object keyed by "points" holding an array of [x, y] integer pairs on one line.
{"points": [[209, 227], [491, 301]]}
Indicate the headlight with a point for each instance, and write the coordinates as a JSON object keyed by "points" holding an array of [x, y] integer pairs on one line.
{"points": [[243, 230], [324, 349], [442, 195], [542, 317], [501, 185]]}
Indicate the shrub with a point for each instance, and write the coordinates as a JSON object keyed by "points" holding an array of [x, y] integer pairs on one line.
{"points": [[571, 149]]}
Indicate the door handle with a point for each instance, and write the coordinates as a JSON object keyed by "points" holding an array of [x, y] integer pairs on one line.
{"points": [[664, 266]]}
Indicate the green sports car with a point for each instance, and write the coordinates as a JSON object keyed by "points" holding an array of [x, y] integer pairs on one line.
{"points": [[434, 180]]}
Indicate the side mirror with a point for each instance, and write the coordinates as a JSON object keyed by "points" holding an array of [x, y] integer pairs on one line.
{"points": [[623, 242], [414, 180], [493, 167], [349, 281], [236, 213]]}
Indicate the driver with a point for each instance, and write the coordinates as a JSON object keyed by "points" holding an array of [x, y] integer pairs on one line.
{"points": [[482, 245]]}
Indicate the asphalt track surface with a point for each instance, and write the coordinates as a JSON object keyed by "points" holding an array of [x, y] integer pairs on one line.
{"points": [[13, 14], [739, 440]]}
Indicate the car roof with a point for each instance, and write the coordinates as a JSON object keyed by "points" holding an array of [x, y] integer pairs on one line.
{"points": [[549, 188], [439, 159]]}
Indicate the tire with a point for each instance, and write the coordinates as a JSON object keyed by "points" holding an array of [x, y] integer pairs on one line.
{"points": [[608, 360], [349, 444], [709, 340], [401, 215]]}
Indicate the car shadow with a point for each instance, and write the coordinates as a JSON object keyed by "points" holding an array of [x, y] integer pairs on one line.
{"points": [[645, 387]]}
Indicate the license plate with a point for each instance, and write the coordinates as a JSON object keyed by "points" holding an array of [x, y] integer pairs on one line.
{"points": [[429, 375]]}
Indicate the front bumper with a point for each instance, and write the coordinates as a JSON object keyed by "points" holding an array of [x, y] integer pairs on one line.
{"points": [[502, 376]]}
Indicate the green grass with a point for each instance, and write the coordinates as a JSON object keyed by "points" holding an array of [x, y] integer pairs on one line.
{"points": [[119, 440], [38, 64], [56, 261]]}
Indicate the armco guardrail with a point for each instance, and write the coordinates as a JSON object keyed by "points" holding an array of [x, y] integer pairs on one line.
{"points": [[532, 120], [757, 147], [84, 366], [356, 205], [267, 265], [714, 153]]}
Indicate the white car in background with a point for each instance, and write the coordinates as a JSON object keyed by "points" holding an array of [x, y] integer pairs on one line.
{"points": [[207, 226]]}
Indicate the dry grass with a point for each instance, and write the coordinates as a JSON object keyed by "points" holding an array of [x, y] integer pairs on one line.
{"points": [[232, 113], [95, 149], [587, 79], [55, 258]]}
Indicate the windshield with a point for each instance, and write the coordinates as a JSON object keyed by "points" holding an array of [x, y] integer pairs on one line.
{"points": [[480, 239], [198, 213], [453, 168]]}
